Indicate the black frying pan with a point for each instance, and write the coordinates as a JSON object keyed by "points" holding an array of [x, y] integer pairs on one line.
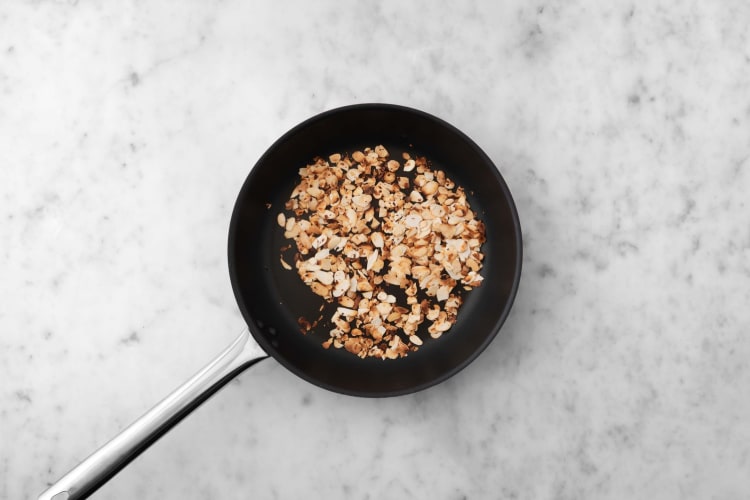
{"points": [[272, 299]]}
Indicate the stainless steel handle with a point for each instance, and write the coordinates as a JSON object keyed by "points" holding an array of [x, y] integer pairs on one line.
{"points": [[104, 463]]}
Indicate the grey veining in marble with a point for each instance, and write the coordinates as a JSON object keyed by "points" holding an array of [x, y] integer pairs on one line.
{"points": [[622, 128]]}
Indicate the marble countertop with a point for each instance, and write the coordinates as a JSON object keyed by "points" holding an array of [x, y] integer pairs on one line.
{"points": [[127, 128]]}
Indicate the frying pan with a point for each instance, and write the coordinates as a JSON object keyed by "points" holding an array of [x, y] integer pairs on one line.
{"points": [[272, 299]]}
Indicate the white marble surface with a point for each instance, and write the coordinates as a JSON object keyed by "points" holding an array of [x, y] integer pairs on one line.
{"points": [[127, 128]]}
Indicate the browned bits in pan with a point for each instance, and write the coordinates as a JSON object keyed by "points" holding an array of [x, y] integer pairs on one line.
{"points": [[363, 222]]}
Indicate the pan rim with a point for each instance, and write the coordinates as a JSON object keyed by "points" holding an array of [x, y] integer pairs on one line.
{"points": [[235, 282]]}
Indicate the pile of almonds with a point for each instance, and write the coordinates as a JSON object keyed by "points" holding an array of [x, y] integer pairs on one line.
{"points": [[365, 223]]}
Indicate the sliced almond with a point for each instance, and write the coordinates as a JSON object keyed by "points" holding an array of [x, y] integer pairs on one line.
{"points": [[319, 241], [377, 239], [320, 289], [359, 229], [325, 277], [430, 188], [412, 220], [371, 259]]}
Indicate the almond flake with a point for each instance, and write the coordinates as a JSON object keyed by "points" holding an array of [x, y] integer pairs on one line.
{"points": [[285, 265], [366, 229], [325, 277]]}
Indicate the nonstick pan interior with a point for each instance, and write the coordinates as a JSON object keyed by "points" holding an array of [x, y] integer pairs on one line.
{"points": [[272, 299]]}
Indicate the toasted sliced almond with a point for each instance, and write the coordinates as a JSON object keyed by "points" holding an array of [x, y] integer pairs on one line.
{"points": [[325, 277], [319, 241], [358, 156], [320, 289], [371, 259], [430, 188], [377, 239], [416, 197], [412, 220], [359, 229]]}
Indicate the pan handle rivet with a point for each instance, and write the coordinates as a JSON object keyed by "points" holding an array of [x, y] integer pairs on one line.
{"points": [[271, 330]]}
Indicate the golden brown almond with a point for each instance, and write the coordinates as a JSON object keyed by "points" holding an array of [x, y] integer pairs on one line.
{"points": [[320, 289], [367, 229], [358, 156], [430, 188]]}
